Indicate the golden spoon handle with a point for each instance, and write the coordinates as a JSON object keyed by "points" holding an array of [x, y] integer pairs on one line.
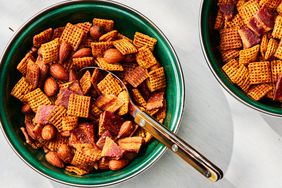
{"points": [[176, 144]]}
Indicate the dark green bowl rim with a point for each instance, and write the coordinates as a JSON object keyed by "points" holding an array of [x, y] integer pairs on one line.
{"points": [[161, 150], [217, 71]]}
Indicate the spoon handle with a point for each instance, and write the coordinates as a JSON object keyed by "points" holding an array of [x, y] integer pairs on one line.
{"points": [[176, 144]]}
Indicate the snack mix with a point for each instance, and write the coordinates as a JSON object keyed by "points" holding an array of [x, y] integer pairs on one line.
{"points": [[251, 45], [81, 118]]}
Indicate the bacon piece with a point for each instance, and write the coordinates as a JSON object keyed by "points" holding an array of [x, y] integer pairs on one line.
{"points": [[110, 121], [228, 10], [42, 113], [109, 103], [131, 144], [111, 149], [256, 26], [155, 101], [101, 142], [266, 18], [248, 37], [278, 88], [83, 134], [262, 21]]}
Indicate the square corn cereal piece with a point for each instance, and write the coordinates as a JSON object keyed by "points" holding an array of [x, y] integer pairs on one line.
{"points": [[37, 98], [259, 91], [242, 78], [43, 37], [69, 123], [124, 46], [136, 76], [109, 85], [79, 105], [54, 144], [278, 53], [80, 62], [78, 171], [248, 55], [121, 36], [73, 35], [82, 160], [279, 9], [229, 55], [107, 25], [123, 96], [259, 72], [219, 21], [145, 58], [86, 42], [137, 96], [271, 48], [230, 69], [22, 66], [58, 32], [236, 22], [276, 69], [56, 117], [109, 36], [161, 114], [85, 26], [141, 40], [50, 51], [248, 10], [156, 79], [263, 45], [271, 4], [277, 30], [240, 3], [230, 39], [21, 88], [85, 82], [98, 48], [102, 63]]}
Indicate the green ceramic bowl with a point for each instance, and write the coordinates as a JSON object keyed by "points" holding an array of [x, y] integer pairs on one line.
{"points": [[127, 21], [209, 41]]}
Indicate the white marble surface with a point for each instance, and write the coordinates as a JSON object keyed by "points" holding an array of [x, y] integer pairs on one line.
{"points": [[244, 143]]}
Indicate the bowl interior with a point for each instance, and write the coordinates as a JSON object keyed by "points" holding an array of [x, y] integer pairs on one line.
{"points": [[127, 22], [210, 43]]}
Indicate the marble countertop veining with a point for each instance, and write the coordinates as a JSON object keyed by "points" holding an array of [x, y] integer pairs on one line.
{"points": [[244, 143]]}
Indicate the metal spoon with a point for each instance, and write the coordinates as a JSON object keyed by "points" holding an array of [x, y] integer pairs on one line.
{"points": [[168, 138]]}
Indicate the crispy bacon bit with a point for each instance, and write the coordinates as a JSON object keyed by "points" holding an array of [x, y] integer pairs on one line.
{"points": [[228, 10], [249, 39], [111, 122], [109, 103], [42, 113], [131, 144], [101, 142], [262, 21], [155, 101], [83, 134], [111, 149], [278, 88], [266, 18]]}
